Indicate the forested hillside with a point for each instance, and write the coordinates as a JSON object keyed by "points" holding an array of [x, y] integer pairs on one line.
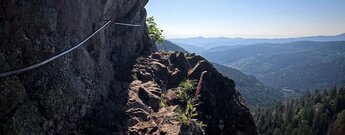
{"points": [[255, 93], [296, 65], [320, 113]]}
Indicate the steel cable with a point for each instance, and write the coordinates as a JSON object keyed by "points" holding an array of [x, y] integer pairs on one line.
{"points": [[17, 71]]}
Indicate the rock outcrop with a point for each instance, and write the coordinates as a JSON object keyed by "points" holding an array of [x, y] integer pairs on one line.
{"points": [[222, 107], [111, 85]]}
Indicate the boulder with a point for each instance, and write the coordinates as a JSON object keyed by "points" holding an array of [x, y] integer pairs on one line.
{"points": [[149, 98], [171, 97]]}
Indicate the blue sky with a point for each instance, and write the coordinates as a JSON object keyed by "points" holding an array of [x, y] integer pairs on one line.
{"points": [[248, 18]]}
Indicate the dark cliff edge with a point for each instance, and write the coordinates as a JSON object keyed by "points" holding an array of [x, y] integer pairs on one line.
{"points": [[97, 89]]}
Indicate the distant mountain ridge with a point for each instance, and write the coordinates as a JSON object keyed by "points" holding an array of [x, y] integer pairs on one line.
{"points": [[224, 41]]}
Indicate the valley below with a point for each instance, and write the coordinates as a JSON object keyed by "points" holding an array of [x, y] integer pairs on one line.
{"points": [[296, 65]]}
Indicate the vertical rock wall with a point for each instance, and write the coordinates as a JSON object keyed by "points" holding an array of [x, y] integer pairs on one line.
{"points": [[58, 97]]}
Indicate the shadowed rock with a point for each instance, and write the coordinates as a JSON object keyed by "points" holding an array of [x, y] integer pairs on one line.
{"points": [[82, 92]]}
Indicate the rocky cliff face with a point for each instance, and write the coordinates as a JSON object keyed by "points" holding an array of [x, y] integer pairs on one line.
{"points": [[57, 97], [108, 86]]}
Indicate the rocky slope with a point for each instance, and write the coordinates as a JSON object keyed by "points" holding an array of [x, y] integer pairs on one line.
{"points": [[222, 108], [108, 86]]}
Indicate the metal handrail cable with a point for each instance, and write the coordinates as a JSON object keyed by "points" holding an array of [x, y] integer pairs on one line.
{"points": [[126, 24], [17, 71]]}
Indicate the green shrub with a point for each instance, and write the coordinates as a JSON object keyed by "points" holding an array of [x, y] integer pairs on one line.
{"points": [[187, 111], [162, 103], [186, 114], [186, 90], [154, 32]]}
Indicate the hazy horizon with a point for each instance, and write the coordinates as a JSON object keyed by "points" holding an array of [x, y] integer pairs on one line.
{"points": [[250, 37], [248, 19]]}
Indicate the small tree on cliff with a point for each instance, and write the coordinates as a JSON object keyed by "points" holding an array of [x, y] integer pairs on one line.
{"points": [[154, 31]]}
